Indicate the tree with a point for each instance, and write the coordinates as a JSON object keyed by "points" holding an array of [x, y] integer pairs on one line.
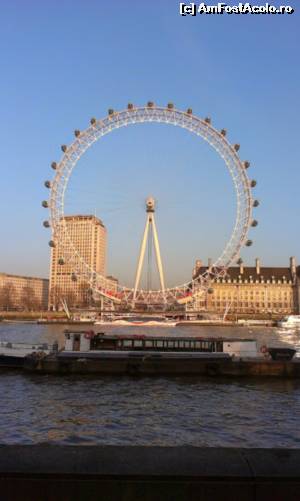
{"points": [[84, 294], [28, 299], [70, 298], [55, 296], [7, 297]]}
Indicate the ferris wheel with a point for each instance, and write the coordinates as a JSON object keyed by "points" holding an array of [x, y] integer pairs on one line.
{"points": [[135, 115]]}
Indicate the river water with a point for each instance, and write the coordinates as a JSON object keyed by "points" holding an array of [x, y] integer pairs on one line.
{"points": [[149, 411]]}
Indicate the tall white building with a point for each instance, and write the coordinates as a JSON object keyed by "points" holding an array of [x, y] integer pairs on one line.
{"points": [[89, 237]]}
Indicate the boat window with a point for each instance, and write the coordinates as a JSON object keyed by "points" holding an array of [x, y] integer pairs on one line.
{"points": [[187, 344], [127, 343], [181, 344], [149, 344], [171, 344], [138, 343], [198, 345], [76, 343], [159, 344], [219, 346]]}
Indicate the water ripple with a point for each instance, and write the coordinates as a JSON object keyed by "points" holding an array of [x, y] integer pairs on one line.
{"points": [[146, 411]]}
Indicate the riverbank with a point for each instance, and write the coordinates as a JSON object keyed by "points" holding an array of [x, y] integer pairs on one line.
{"points": [[60, 317], [23, 316]]}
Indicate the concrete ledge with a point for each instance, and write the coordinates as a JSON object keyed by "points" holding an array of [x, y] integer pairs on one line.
{"points": [[48, 472]]}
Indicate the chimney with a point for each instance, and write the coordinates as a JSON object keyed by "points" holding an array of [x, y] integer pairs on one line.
{"points": [[198, 264], [293, 265], [209, 263], [241, 267], [197, 267], [257, 266]]}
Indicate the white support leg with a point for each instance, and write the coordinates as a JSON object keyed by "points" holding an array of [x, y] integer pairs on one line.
{"points": [[141, 258], [158, 257]]}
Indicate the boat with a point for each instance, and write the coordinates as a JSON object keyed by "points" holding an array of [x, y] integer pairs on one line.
{"points": [[146, 321], [204, 322], [89, 352], [290, 321], [66, 321]]}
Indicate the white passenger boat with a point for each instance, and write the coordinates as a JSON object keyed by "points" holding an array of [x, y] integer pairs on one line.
{"points": [[98, 343], [290, 321]]}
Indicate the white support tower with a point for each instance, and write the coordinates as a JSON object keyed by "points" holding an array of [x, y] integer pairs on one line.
{"points": [[150, 229]]}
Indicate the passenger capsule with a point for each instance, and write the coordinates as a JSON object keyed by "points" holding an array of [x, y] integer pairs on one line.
{"points": [[61, 261], [189, 111], [130, 106], [46, 224], [45, 204], [47, 184], [236, 147], [246, 164], [207, 120], [93, 121], [54, 165], [170, 106], [255, 203], [249, 243], [64, 148], [253, 183], [76, 133], [150, 104], [239, 261], [74, 277], [223, 132], [51, 243], [110, 111], [254, 223], [210, 290]]}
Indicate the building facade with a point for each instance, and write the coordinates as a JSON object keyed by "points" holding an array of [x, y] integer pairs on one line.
{"points": [[89, 237], [256, 290], [23, 293]]}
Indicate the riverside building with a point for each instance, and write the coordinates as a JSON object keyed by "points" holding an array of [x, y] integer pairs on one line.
{"points": [[89, 237], [18, 292], [252, 290]]}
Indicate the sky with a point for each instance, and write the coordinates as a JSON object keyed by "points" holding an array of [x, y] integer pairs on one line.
{"points": [[63, 62]]}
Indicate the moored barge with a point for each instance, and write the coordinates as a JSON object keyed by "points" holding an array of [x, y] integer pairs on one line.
{"points": [[90, 353]]}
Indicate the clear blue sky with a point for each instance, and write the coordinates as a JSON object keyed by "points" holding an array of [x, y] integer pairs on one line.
{"points": [[65, 61]]}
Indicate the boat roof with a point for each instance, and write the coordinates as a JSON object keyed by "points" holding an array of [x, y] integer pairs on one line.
{"points": [[160, 338]]}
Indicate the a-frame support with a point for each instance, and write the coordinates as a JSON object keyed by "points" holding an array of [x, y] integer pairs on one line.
{"points": [[150, 223]]}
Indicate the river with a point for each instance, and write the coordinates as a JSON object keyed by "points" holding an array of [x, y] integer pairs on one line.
{"points": [[149, 411]]}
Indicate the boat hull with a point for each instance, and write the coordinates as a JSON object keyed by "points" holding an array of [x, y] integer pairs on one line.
{"points": [[11, 362], [158, 365]]}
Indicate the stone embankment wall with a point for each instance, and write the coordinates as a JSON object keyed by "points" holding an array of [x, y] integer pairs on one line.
{"points": [[148, 473]]}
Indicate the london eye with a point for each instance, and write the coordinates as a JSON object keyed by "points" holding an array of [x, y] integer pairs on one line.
{"points": [[169, 115]]}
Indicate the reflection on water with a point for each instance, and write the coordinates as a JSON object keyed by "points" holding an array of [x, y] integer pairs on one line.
{"points": [[149, 411]]}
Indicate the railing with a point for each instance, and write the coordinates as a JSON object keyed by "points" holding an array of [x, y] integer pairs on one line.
{"points": [[28, 346]]}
